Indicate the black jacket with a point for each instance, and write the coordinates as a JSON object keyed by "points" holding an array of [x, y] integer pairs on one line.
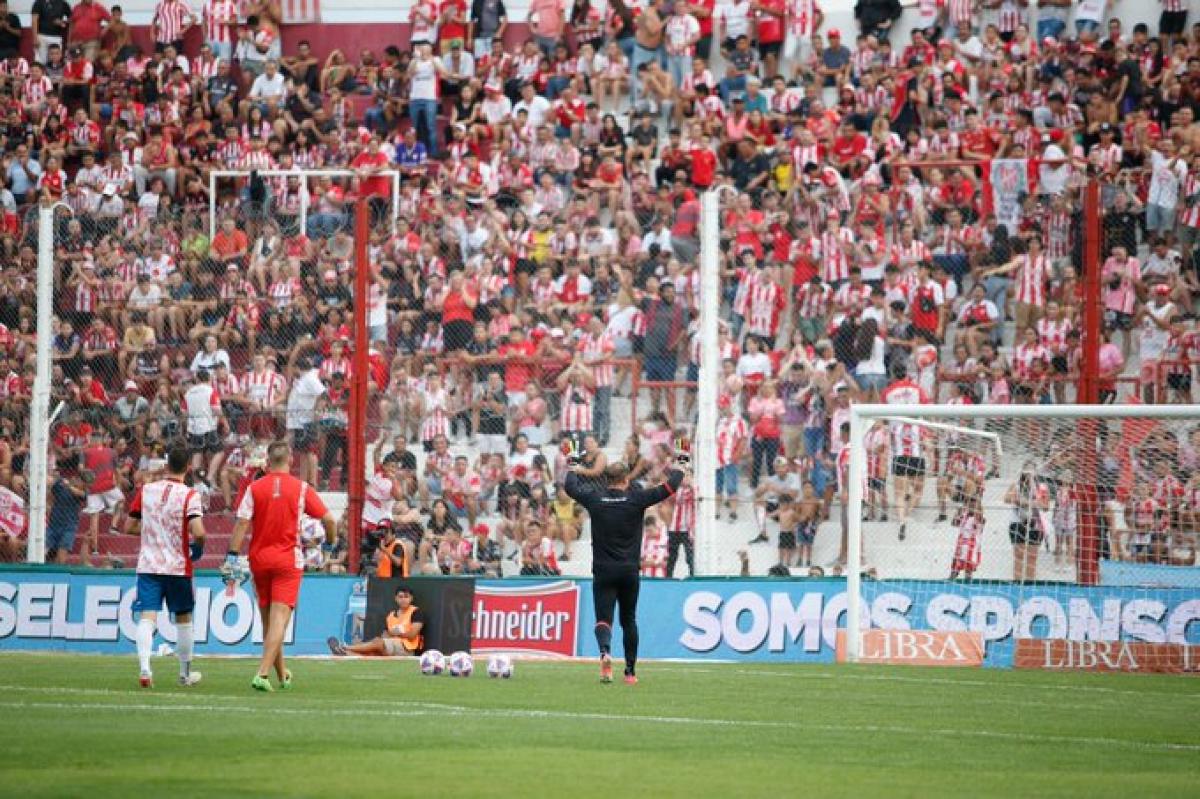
{"points": [[617, 519]]}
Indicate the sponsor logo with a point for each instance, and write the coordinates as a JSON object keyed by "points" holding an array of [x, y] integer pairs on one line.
{"points": [[1139, 656], [777, 622], [539, 619], [39, 611], [916, 648]]}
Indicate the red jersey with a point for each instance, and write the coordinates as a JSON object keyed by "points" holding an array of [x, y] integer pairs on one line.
{"points": [[275, 505], [101, 461]]}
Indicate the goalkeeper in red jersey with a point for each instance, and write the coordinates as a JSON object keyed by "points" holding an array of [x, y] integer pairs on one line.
{"points": [[274, 506]]}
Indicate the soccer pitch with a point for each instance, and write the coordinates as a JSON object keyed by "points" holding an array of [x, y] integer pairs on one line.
{"points": [[80, 726]]}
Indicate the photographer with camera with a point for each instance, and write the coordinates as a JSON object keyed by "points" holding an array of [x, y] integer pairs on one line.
{"points": [[391, 554], [617, 512]]}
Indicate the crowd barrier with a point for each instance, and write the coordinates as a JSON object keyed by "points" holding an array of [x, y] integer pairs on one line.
{"points": [[735, 619]]}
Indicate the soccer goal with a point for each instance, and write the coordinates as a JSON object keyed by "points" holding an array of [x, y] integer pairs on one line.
{"points": [[1039, 536]]}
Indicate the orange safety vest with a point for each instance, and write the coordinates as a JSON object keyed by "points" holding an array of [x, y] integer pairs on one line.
{"points": [[398, 617], [383, 569]]}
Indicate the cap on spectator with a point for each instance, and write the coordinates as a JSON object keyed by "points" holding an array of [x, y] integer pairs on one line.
{"points": [[1050, 42], [538, 333], [130, 135], [583, 318], [781, 459], [330, 274], [949, 45], [840, 386], [556, 332], [481, 529], [834, 33], [723, 402], [1106, 127], [231, 267], [130, 385], [492, 86], [1162, 289]]}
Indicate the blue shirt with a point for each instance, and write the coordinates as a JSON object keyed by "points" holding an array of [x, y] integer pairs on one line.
{"points": [[64, 513], [18, 181], [411, 156]]}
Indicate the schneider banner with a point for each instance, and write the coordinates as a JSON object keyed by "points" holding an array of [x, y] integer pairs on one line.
{"points": [[92, 612]]}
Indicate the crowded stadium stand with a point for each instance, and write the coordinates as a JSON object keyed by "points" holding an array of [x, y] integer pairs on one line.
{"points": [[901, 218]]}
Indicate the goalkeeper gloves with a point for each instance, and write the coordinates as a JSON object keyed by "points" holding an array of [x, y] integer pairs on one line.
{"points": [[231, 569], [196, 550]]}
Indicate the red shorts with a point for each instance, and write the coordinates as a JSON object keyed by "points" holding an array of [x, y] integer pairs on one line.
{"points": [[277, 585]]}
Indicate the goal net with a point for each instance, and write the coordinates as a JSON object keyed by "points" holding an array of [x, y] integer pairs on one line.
{"points": [[1035, 536]]}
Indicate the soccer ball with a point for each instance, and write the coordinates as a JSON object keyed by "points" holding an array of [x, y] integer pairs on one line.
{"points": [[433, 663], [461, 664], [500, 666]]}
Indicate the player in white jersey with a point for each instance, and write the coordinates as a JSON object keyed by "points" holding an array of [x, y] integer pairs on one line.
{"points": [[167, 514]]}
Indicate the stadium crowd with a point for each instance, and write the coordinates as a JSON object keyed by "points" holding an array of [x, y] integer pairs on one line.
{"points": [[541, 253]]}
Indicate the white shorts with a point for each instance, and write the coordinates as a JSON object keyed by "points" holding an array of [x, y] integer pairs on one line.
{"points": [[493, 444], [106, 502], [394, 647]]}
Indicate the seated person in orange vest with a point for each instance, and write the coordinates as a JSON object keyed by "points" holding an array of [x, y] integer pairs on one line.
{"points": [[401, 635]]}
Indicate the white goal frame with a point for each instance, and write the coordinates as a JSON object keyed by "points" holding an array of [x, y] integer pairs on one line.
{"points": [[861, 417], [305, 174]]}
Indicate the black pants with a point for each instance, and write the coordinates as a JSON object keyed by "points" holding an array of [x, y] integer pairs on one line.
{"points": [[674, 542], [619, 590]]}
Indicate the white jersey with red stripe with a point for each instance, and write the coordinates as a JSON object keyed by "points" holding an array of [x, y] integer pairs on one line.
{"points": [[437, 419], [596, 349], [1167, 491], [165, 508], [834, 253], [966, 547], [876, 444], [1032, 276], [1053, 334], [765, 301], [683, 510], [377, 500], [654, 556], [732, 432], [577, 404], [906, 438]]}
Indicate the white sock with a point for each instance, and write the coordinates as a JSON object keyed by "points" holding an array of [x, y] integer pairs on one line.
{"points": [[183, 647], [145, 643]]}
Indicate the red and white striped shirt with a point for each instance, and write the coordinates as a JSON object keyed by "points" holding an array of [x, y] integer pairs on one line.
{"points": [[765, 301], [577, 405], [1024, 358], [596, 349], [1032, 275], [34, 90], [654, 555], [683, 511], [732, 433], [266, 387], [966, 547], [813, 300], [437, 420], [1189, 215], [171, 18], [835, 262], [1053, 335], [220, 18]]}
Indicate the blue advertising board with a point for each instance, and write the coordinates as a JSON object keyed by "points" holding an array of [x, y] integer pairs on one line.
{"points": [[797, 620], [760, 620], [90, 611]]}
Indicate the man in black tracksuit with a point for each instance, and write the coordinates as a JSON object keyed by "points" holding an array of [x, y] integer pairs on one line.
{"points": [[617, 511]]}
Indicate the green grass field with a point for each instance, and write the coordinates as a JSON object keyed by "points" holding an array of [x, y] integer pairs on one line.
{"points": [[80, 726]]}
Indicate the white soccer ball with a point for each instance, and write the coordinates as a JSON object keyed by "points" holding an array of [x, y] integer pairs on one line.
{"points": [[461, 664], [500, 666], [433, 663]]}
